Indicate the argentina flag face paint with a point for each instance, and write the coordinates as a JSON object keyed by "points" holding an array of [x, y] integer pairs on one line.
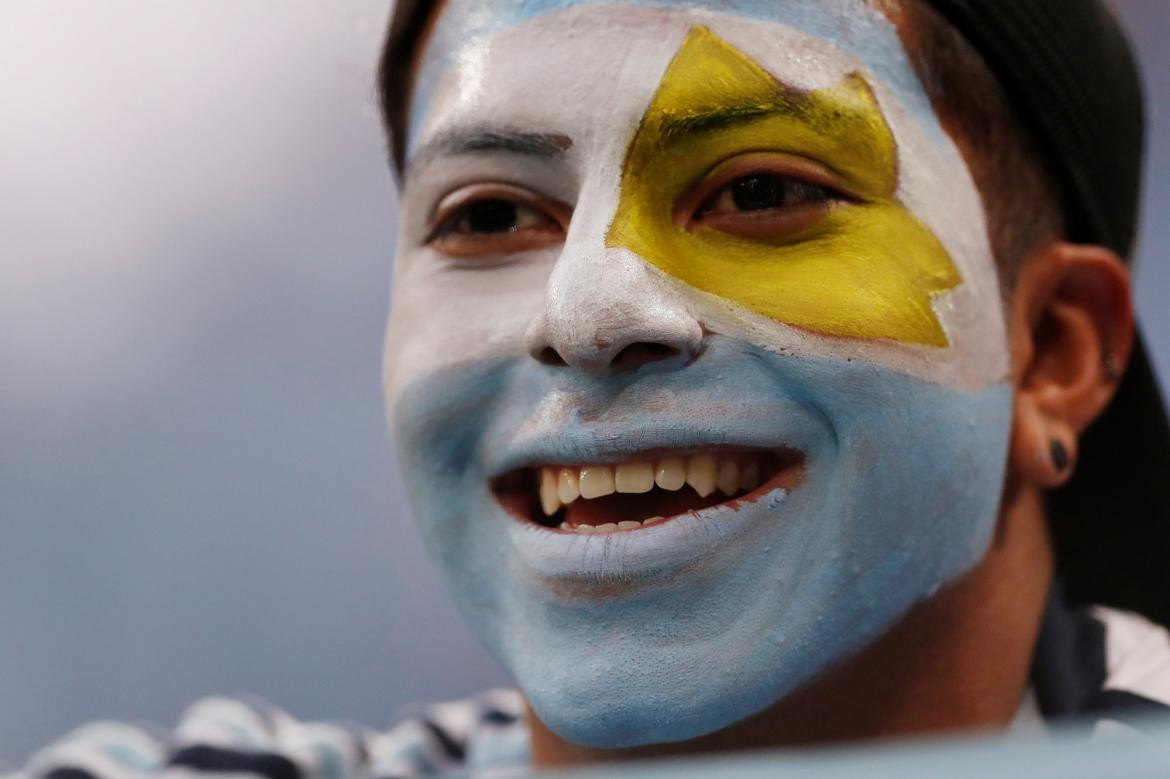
{"points": [[696, 363]]}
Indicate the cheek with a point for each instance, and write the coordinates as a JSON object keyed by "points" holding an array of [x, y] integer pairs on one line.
{"points": [[444, 314]]}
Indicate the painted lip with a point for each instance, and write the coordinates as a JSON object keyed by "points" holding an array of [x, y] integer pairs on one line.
{"points": [[631, 422], [623, 564], [574, 566], [613, 444], [661, 486]]}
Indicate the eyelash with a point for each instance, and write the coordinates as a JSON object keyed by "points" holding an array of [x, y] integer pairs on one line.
{"points": [[787, 191], [485, 209], [512, 219]]}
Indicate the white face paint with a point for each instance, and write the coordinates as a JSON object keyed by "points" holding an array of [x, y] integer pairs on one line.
{"points": [[500, 365]]}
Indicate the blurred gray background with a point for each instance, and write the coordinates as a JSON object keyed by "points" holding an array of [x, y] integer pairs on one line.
{"points": [[196, 492]]}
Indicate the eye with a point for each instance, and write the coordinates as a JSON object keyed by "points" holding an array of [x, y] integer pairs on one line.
{"points": [[486, 217], [762, 197], [761, 191], [496, 219]]}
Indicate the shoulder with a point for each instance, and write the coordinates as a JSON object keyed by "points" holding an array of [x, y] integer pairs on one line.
{"points": [[221, 735]]}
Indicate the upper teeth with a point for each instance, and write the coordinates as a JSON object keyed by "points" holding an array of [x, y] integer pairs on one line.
{"points": [[705, 472]]}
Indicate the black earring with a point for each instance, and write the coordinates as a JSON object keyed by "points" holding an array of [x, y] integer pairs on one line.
{"points": [[1059, 455]]}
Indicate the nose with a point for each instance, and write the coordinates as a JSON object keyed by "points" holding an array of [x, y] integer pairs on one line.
{"points": [[608, 312]]}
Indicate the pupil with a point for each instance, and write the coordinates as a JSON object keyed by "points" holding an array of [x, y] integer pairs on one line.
{"points": [[754, 193], [491, 216]]}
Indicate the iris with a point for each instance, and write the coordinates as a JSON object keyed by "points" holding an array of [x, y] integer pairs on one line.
{"points": [[761, 191], [491, 216]]}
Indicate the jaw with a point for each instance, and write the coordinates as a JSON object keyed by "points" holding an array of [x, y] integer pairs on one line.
{"points": [[725, 609], [905, 676]]}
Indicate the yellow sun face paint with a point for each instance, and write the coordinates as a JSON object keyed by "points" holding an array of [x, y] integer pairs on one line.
{"points": [[867, 269]]}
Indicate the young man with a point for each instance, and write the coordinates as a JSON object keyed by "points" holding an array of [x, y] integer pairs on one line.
{"points": [[744, 363]]}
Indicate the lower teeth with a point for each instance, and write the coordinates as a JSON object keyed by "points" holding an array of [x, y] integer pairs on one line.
{"points": [[612, 527]]}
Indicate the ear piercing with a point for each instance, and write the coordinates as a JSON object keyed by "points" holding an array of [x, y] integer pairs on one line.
{"points": [[1059, 455], [1109, 365]]}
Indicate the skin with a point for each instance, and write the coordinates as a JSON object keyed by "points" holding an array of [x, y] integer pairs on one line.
{"points": [[1068, 315], [1070, 309]]}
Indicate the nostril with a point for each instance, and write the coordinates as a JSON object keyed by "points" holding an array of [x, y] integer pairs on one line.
{"points": [[638, 354], [550, 356]]}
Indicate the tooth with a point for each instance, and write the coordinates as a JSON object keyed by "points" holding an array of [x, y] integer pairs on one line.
{"points": [[728, 478], [629, 524], [701, 473], [608, 527], [564, 526], [671, 474], [652, 521], [596, 481], [749, 473], [549, 500], [584, 528], [634, 477], [567, 489]]}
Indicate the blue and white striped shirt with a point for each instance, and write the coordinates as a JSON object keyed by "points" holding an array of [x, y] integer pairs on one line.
{"points": [[1098, 664]]}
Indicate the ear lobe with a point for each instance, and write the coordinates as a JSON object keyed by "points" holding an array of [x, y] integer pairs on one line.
{"points": [[1071, 333], [1043, 447]]}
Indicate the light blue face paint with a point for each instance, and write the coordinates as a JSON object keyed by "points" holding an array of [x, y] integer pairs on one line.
{"points": [[852, 25], [644, 641], [680, 629]]}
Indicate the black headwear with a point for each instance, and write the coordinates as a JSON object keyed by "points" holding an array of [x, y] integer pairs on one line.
{"points": [[1068, 72], [1070, 77]]}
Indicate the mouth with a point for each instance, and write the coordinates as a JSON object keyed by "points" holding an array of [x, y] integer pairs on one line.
{"points": [[646, 491]]}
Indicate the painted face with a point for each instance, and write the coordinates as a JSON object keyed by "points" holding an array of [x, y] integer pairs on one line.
{"points": [[697, 365]]}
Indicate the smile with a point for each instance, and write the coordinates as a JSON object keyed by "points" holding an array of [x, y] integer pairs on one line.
{"points": [[645, 491]]}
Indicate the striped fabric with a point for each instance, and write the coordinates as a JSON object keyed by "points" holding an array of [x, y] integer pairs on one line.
{"points": [[1109, 666], [228, 737]]}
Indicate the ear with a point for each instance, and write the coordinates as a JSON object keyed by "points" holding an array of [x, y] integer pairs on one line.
{"points": [[1071, 325]]}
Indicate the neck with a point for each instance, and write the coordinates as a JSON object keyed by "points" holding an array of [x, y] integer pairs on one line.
{"points": [[958, 661]]}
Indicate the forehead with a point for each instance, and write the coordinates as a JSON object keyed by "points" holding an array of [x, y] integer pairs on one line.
{"points": [[481, 53]]}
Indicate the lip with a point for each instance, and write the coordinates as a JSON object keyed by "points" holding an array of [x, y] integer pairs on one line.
{"points": [[621, 564], [624, 563], [612, 422], [522, 492], [610, 444]]}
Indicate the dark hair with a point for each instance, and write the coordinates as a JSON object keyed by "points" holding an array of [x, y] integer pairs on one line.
{"points": [[409, 25], [1022, 202]]}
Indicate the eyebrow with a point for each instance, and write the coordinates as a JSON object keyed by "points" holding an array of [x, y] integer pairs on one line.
{"points": [[675, 130], [488, 140]]}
